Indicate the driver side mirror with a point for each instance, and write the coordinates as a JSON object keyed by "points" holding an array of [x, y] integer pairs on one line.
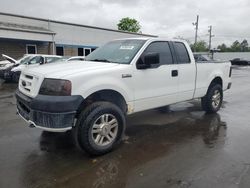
{"points": [[149, 59]]}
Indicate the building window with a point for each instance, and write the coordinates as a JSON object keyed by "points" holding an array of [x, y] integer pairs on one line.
{"points": [[80, 52], [31, 49], [87, 51], [59, 51]]}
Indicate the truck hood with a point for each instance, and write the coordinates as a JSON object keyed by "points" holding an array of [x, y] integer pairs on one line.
{"points": [[62, 69]]}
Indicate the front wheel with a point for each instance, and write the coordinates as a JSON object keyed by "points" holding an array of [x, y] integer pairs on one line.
{"points": [[212, 102], [100, 128]]}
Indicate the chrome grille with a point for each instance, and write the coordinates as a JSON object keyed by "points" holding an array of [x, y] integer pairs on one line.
{"points": [[29, 84]]}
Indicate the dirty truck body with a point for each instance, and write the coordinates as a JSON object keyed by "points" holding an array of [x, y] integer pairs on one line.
{"points": [[125, 76]]}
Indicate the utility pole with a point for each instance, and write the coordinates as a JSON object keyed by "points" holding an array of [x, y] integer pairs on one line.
{"points": [[196, 24], [210, 37], [196, 29]]}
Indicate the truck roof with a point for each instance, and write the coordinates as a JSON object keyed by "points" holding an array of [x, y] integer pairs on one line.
{"points": [[153, 39]]}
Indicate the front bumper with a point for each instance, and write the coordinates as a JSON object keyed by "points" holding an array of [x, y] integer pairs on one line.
{"points": [[7, 75], [50, 113]]}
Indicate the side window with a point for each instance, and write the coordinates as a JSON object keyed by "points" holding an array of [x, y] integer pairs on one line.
{"points": [[164, 51], [181, 52], [37, 59]]}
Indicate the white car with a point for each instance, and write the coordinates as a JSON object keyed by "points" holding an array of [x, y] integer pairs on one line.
{"points": [[76, 58], [32, 60], [8, 63], [123, 77]]}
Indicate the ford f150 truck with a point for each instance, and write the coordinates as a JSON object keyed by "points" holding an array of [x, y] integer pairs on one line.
{"points": [[122, 77]]}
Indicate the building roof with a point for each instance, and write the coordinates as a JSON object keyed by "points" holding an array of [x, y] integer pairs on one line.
{"points": [[74, 24], [25, 28]]}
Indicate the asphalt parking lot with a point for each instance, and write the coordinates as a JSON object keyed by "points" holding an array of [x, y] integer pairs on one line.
{"points": [[181, 148]]}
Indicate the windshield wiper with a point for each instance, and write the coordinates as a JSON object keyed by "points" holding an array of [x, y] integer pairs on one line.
{"points": [[101, 60]]}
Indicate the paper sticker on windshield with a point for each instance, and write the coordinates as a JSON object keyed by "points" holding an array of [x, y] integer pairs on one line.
{"points": [[126, 47]]}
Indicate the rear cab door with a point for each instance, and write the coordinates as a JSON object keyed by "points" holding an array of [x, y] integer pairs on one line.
{"points": [[186, 70]]}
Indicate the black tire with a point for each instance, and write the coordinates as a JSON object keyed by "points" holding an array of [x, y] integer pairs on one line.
{"points": [[207, 102], [16, 76], [83, 130]]}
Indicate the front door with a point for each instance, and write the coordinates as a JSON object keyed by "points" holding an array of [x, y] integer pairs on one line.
{"points": [[157, 85]]}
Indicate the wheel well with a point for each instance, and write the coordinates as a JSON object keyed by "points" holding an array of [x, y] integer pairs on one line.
{"points": [[105, 95], [216, 80]]}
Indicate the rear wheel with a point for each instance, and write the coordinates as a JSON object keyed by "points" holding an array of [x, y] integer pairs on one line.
{"points": [[100, 128], [212, 102]]}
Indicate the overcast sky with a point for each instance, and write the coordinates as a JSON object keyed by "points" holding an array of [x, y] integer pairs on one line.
{"points": [[229, 18]]}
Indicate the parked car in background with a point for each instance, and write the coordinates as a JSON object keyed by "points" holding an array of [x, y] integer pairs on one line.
{"points": [[13, 73], [8, 63], [240, 61], [76, 58]]}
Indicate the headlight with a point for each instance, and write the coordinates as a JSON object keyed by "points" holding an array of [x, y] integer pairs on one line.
{"points": [[55, 87]]}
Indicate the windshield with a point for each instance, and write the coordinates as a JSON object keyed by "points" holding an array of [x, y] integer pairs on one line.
{"points": [[25, 60], [119, 51]]}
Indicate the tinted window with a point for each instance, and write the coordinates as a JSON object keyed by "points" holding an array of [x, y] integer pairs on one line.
{"points": [[164, 51], [181, 53]]}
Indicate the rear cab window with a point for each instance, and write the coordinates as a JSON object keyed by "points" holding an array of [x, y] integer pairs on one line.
{"points": [[181, 53]]}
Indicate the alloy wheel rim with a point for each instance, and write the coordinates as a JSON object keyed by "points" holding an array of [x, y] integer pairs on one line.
{"points": [[216, 99], [104, 130]]}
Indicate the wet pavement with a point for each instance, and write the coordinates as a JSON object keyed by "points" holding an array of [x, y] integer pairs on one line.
{"points": [[181, 148]]}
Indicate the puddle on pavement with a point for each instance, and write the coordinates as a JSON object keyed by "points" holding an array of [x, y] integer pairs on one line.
{"points": [[62, 165]]}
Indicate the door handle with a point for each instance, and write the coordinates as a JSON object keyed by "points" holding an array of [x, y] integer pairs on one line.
{"points": [[174, 73]]}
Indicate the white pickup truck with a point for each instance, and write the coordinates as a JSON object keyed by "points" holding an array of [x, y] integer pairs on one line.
{"points": [[122, 77]]}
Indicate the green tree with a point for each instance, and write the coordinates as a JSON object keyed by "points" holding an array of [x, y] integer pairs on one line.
{"points": [[223, 47], [236, 46], [244, 45], [200, 46], [129, 24]]}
